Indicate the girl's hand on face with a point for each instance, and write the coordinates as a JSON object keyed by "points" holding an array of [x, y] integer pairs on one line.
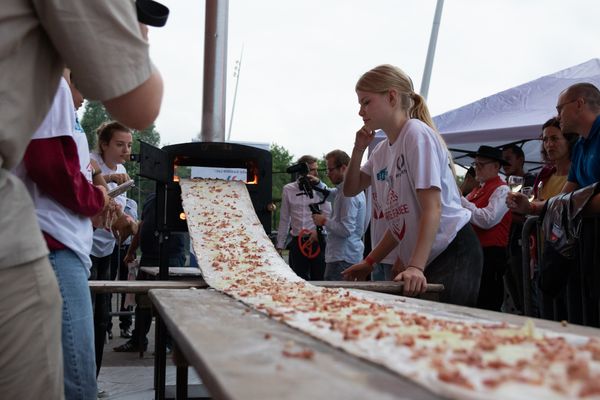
{"points": [[364, 136]]}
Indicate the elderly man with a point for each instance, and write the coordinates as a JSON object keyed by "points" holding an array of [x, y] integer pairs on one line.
{"points": [[491, 221], [346, 226]]}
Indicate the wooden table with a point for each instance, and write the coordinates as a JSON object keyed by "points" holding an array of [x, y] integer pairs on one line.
{"points": [[225, 343]]}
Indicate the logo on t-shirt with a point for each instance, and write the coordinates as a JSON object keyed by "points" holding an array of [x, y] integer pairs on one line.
{"points": [[382, 175], [400, 166], [394, 212]]}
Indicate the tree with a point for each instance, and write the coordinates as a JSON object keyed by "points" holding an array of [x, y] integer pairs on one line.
{"points": [[282, 159], [93, 116]]}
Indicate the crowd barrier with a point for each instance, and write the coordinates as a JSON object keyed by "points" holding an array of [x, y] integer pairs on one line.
{"points": [[579, 299]]}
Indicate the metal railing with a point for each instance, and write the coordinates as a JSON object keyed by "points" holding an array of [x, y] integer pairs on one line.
{"points": [[581, 295]]}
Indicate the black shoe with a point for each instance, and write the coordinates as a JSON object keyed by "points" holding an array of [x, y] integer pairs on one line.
{"points": [[130, 347], [125, 333]]}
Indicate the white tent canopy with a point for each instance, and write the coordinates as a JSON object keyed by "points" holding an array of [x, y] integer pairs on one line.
{"points": [[513, 115]]}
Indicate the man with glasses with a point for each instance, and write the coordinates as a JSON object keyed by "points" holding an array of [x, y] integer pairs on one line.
{"points": [[578, 109], [491, 221], [306, 258], [346, 226]]}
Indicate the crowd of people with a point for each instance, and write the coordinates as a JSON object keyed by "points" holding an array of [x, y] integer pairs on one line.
{"points": [[423, 227]]}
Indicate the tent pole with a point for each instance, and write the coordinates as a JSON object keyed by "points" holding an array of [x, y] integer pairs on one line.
{"points": [[431, 50]]}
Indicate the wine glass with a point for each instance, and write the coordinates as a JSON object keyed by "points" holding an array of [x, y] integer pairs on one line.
{"points": [[528, 191], [515, 183]]}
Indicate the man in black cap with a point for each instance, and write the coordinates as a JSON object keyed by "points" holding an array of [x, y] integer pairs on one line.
{"points": [[491, 221]]}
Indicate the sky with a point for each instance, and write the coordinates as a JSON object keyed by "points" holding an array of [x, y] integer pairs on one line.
{"points": [[301, 60]]}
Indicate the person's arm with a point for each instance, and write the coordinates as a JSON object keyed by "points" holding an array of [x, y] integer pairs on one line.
{"points": [[429, 222], [53, 164], [490, 215], [431, 210], [108, 54], [518, 202], [360, 271], [355, 181], [284, 219], [348, 211], [133, 246], [138, 108]]}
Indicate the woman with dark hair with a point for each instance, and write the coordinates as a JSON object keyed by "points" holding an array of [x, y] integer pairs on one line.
{"points": [[556, 152], [114, 149]]}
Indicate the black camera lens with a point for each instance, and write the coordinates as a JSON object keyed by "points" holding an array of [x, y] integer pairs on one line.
{"points": [[151, 13]]}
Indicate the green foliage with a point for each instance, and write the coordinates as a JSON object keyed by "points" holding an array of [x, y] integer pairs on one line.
{"points": [[322, 165], [281, 160], [93, 116]]}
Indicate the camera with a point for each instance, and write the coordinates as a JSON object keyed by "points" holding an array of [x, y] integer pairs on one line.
{"points": [[300, 172], [151, 13]]}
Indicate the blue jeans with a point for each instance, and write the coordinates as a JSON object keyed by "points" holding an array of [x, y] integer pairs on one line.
{"points": [[382, 272], [77, 325], [333, 270]]}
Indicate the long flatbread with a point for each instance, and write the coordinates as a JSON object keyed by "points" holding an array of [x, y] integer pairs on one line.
{"points": [[458, 358]]}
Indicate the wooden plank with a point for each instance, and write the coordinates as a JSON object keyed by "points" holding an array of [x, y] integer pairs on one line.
{"points": [[225, 342], [372, 286], [174, 271], [141, 287], [375, 286]]}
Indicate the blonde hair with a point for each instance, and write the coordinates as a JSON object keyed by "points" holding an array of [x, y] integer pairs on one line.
{"points": [[385, 77]]}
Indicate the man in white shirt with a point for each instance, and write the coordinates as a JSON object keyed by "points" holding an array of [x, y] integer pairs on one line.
{"points": [[491, 221], [307, 248]]}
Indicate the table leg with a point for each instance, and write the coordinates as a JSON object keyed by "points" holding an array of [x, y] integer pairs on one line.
{"points": [[160, 359]]}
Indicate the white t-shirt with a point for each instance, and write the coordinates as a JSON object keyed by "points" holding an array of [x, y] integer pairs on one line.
{"points": [[378, 222], [66, 226], [104, 240], [295, 212], [416, 160]]}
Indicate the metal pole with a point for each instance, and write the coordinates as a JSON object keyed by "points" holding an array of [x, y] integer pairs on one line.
{"points": [[215, 70], [236, 74], [431, 50]]}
